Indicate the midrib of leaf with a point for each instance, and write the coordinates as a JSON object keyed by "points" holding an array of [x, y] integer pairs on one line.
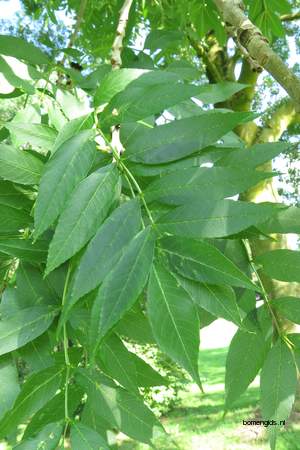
{"points": [[33, 249], [127, 281], [83, 213], [173, 320]]}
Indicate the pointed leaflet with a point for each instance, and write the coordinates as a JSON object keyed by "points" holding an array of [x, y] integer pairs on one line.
{"points": [[246, 355], [174, 320], [9, 384], [37, 354], [122, 286], [201, 261], [180, 138], [47, 439], [35, 393], [105, 249], [125, 367], [13, 219], [63, 172], [281, 264], [177, 188], [24, 326], [120, 408], [19, 166], [83, 437], [288, 307], [278, 383], [217, 300], [208, 219], [85, 211]]}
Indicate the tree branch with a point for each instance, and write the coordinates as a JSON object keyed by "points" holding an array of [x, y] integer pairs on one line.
{"points": [[251, 38], [212, 71], [290, 17], [116, 63], [117, 46]]}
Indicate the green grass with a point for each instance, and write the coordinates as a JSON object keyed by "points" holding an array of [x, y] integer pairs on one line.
{"points": [[198, 422]]}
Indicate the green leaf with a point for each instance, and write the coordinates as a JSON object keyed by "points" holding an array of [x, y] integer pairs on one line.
{"points": [[120, 408], [9, 384], [206, 219], [217, 300], [122, 286], [105, 249], [20, 49], [114, 82], [35, 393], [63, 172], [288, 307], [163, 39], [201, 261], [195, 183], [285, 220], [125, 367], [15, 81], [281, 264], [246, 355], [24, 326], [13, 219], [179, 138], [19, 166], [37, 353], [54, 410], [11, 196], [146, 96], [87, 208], [47, 439], [174, 320], [71, 128], [83, 437], [34, 134], [33, 289], [25, 249], [278, 383], [255, 156], [134, 325]]}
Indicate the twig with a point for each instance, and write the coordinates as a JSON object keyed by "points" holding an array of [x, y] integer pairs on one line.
{"points": [[66, 355]]}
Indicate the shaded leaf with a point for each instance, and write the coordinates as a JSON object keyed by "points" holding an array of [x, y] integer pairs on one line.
{"points": [[87, 438], [9, 384]]}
